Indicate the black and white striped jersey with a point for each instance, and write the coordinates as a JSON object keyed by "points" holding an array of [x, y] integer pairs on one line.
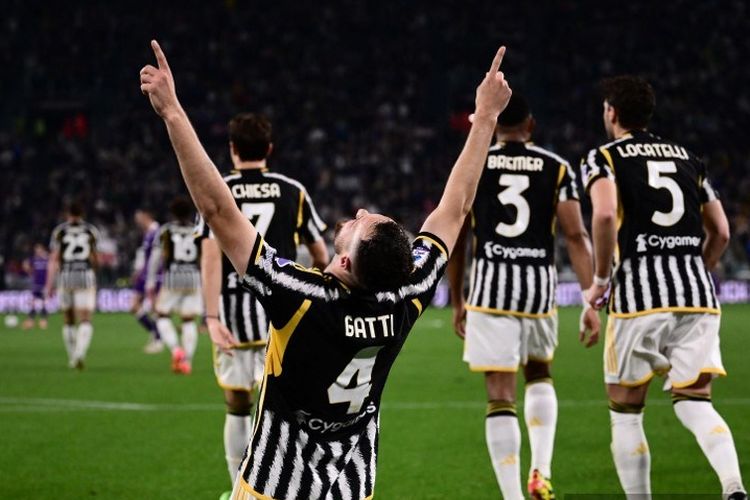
{"points": [[329, 354], [513, 223], [76, 244], [178, 255], [661, 189], [283, 213]]}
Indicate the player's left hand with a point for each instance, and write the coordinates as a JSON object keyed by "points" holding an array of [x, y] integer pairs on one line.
{"points": [[221, 336], [589, 322], [158, 84]]}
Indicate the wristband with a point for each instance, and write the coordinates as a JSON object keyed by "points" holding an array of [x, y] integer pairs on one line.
{"points": [[601, 281]]}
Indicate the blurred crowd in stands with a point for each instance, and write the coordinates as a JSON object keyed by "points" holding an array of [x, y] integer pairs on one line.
{"points": [[369, 99]]}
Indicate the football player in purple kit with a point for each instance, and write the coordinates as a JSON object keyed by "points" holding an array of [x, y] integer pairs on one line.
{"points": [[36, 267], [142, 306]]}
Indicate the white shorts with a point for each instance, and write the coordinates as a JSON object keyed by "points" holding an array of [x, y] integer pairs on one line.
{"points": [[77, 298], [502, 343], [682, 345], [186, 303], [242, 371]]}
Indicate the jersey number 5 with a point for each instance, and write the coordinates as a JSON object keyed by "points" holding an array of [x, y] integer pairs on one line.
{"points": [[511, 195], [260, 215], [659, 181], [355, 381]]}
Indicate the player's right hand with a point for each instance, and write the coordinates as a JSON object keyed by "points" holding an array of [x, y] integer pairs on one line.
{"points": [[221, 336], [494, 92], [49, 292], [158, 84], [459, 320]]}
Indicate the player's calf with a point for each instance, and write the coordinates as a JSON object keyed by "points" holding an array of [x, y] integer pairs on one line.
{"points": [[629, 446], [540, 412], [237, 428], [694, 409]]}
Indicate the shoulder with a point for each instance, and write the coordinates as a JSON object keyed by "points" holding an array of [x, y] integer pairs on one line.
{"points": [[283, 179], [547, 154], [59, 228], [232, 177]]}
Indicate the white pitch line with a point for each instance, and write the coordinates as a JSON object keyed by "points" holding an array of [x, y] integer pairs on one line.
{"points": [[30, 405]]}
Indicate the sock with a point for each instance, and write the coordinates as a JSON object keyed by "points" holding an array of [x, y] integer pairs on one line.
{"points": [[83, 339], [237, 430], [189, 339], [69, 339], [630, 448], [712, 433], [167, 333], [146, 322], [540, 411], [504, 444]]}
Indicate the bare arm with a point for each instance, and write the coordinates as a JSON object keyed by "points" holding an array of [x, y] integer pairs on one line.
{"points": [[455, 272], [448, 218], [604, 229], [233, 231], [579, 249], [211, 285], [319, 253], [577, 241], [716, 226], [53, 265]]}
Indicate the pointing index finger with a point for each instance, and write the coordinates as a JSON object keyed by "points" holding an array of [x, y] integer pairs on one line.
{"points": [[161, 59], [497, 60]]}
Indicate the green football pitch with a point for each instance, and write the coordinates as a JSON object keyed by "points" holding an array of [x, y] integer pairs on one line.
{"points": [[127, 428]]}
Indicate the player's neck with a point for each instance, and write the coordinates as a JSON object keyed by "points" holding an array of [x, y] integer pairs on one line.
{"points": [[512, 137], [341, 274], [250, 165], [619, 132]]}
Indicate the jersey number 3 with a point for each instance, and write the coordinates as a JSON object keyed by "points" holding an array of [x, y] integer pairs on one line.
{"points": [[658, 181], [355, 381], [511, 195]]}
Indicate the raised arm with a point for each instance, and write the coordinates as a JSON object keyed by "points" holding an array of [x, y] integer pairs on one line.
{"points": [[233, 231], [716, 226], [448, 217]]}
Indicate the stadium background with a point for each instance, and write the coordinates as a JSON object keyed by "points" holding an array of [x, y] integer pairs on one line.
{"points": [[369, 102]]}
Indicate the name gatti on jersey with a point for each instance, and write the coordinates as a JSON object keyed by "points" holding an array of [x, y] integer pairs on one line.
{"points": [[252, 191]]}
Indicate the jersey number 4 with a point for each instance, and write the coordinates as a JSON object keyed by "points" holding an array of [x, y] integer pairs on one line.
{"points": [[511, 195], [657, 180], [354, 383]]}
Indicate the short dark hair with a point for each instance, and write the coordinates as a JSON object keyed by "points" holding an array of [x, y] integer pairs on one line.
{"points": [[515, 112], [384, 260], [74, 209], [181, 208], [251, 135], [632, 97]]}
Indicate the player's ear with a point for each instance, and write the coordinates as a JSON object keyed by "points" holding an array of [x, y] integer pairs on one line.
{"points": [[345, 263], [530, 126], [232, 149], [270, 150]]}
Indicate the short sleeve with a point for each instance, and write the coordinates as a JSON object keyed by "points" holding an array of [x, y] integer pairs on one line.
{"points": [[310, 225], [567, 185], [707, 192], [594, 167], [282, 285], [430, 260], [96, 237], [201, 228]]}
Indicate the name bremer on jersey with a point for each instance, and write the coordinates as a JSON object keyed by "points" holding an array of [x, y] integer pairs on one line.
{"points": [[513, 266]]}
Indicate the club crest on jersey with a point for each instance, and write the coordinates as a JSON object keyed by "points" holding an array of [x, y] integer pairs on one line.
{"points": [[419, 255], [282, 262]]}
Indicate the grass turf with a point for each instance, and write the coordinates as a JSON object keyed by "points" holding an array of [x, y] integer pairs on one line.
{"points": [[60, 437]]}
